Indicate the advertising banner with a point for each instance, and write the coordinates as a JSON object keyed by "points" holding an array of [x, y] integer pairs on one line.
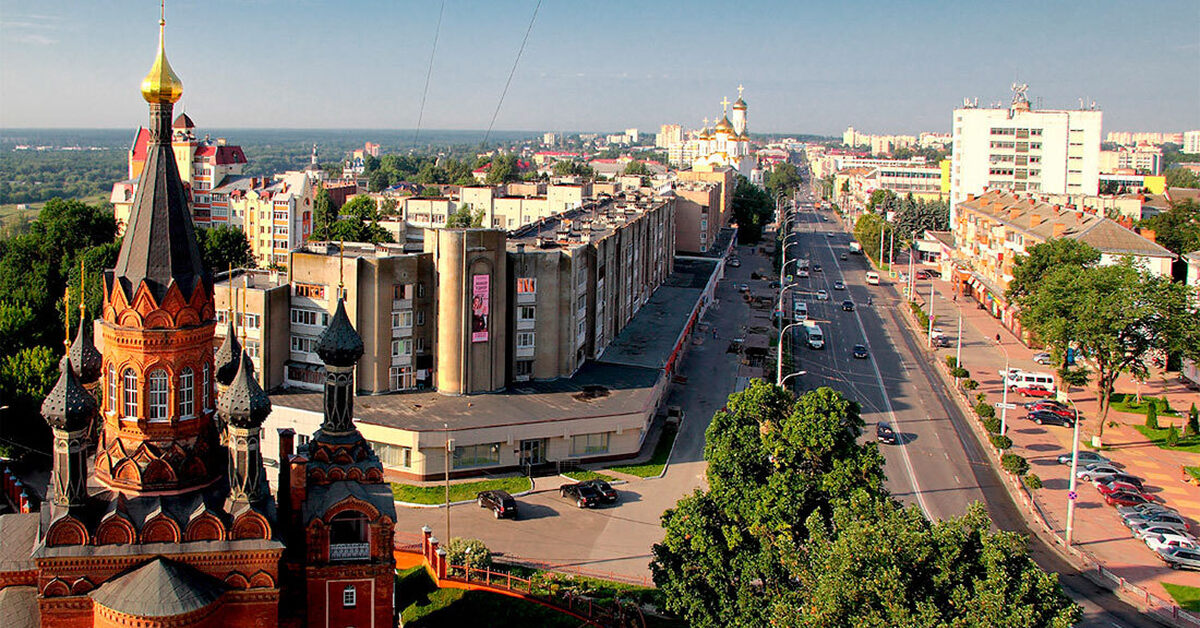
{"points": [[480, 285]]}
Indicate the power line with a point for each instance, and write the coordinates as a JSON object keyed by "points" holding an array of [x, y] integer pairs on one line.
{"points": [[512, 72], [436, 32]]}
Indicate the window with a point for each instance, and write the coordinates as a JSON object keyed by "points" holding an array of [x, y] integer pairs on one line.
{"points": [[186, 394], [420, 318], [476, 455], [589, 444], [401, 347], [526, 313], [393, 455], [312, 291], [204, 387], [301, 316], [525, 340], [401, 378], [304, 344], [112, 386], [419, 345], [402, 291], [402, 318], [157, 399], [131, 393], [523, 368], [349, 597], [421, 290], [526, 285]]}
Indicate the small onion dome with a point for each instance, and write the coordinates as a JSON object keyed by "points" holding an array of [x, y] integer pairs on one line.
{"points": [[85, 360], [340, 345], [244, 404], [227, 356], [161, 84], [724, 125], [69, 406], [740, 104]]}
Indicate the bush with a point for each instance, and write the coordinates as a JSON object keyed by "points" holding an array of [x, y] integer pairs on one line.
{"points": [[959, 372], [951, 362], [1152, 416], [1014, 464], [992, 424], [1033, 481], [469, 552], [1193, 424], [1000, 442], [1173, 436], [970, 384], [985, 410]]}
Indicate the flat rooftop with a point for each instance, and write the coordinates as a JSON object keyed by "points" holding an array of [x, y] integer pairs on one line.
{"points": [[650, 338], [594, 220], [596, 390]]}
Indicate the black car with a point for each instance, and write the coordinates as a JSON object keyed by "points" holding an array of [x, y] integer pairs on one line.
{"points": [[501, 503], [1046, 402], [1042, 417], [584, 495], [843, 257], [816, 268], [608, 495], [847, 305], [1127, 478], [885, 433], [860, 351]]}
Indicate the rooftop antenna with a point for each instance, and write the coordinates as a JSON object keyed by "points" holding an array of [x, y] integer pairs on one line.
{"points": [[82, 299], [67, 319]]}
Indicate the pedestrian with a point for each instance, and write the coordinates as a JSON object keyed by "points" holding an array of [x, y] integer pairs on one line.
{"points": [[956, 297]]}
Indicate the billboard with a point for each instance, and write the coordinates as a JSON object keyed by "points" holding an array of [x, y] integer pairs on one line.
{"points": [[480, 285]]}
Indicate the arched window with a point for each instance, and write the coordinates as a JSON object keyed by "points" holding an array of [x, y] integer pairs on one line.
{"points": [[131, 394], [186, 394], [348, 537], [157, 399], [205, 387], [113, 386]]}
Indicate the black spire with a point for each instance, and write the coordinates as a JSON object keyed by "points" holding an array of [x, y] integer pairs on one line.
{"points": [[227, 358], [244, 404], [69, 406], [85, 359], [340, 345], [160, 242]]}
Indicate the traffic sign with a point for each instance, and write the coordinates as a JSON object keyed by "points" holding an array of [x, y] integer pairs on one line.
{"points": [[1072, 495], [1007, 406]]}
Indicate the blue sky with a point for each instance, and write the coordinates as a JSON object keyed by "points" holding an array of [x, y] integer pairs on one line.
{"points": [[807, 66]]}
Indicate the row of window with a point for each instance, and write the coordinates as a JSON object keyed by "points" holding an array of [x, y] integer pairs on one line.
{"points": [[127, 389], [240, 319], [485, 454]]}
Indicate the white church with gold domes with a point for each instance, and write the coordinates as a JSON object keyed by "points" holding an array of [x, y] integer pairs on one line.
{"points": [[726, 144]]}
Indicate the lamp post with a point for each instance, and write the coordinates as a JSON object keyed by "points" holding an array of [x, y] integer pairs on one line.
{"points": [[958, 351], [1074, 466], [930, 313], [779, 353], [449, 444], [1004, 382], [791, 375]]}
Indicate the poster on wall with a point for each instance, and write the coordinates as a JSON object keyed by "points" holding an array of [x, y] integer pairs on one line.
{"points": [[479, 307]]}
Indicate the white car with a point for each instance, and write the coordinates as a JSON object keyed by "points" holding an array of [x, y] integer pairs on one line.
{"points": [[803, 274], [1146, 531], [1096, 470], [1163, 541], [822, 295]]}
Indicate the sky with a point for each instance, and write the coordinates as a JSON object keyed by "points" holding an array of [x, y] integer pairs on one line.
{"points": [[807, 66]]}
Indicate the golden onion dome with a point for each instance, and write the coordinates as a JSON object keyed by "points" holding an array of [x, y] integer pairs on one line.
{"points": [[161, 85], [740, 104], [724, 125]]}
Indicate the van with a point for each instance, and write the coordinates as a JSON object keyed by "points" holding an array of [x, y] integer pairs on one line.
{"points": [[813, 336], [1030, 383], [872, 278], [800, 311]]}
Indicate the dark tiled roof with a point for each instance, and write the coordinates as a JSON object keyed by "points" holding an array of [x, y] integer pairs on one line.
{"points": [[227, 356], [19, 531], [323, 497], [160, 244], [159, 588], [69, 406], [19, 607], [340, 345], [85, 359], [244, 404]]}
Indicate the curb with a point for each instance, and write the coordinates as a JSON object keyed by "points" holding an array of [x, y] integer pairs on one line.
{"points": [[461, 502], [612, 483], [670, 454]]}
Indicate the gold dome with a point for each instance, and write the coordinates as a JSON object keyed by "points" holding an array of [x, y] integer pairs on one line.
{"points": [[724, 125], [161, 85]]}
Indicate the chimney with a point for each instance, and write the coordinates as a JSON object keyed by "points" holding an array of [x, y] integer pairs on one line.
{"points": [[970, 197], [1059, 230], [1149, 234], [1034, 221], [1057, 209], [298, 488], [220, 141]]}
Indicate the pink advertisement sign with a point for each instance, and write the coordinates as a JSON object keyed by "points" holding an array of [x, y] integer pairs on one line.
{"points": [[480, 285]]}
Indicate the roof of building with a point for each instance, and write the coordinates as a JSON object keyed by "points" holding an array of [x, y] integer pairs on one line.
{"points": [[340, 344], [945, 237], [85, 359], [182, 121], [322, 497], [227, 358], [19, 607], [1110, 237], [222, 154], [19, 531], [69, 406], [244, 404], [1178, 194], [593, 221], [159, 588]]}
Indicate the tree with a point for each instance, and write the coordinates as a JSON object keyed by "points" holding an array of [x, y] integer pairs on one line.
{"points": [[636, 167], [1178, 228], [881, 201], [867, 232], [463, 218], [378, 181], [431, 174], [1152, 416], [1193, 422], [1178, 177], [752, 209], [324, 215], [224, 247], [503, 169], [472, 553], [359, 222], [915, 217], [16, 327], [1041, 259], [783, 179], [25, 379]]}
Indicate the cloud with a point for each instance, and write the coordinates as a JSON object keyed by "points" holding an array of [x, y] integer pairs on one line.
{"points": [[34, 39], [30, 29]]}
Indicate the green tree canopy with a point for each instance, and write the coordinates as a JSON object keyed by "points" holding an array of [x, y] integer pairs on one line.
{"points": [[504, 169], [359, 222], [1178, 228], [569, 168], [783, 179], [463, 218], [753, 208], [324, 215], [1042, 258], [637, 168], [1181, 178], [866, 231], [224, 246]]}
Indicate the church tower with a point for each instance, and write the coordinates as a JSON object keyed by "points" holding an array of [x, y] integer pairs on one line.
{"points": [[739, 115]]}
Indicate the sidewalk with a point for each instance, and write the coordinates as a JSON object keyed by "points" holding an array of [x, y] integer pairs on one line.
{"points": [[1098, 529]]}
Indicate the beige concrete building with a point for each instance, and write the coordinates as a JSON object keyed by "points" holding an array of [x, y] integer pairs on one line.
{"points": [[697, 215], [724, 177]]}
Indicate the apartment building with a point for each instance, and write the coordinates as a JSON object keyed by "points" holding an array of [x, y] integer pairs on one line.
{"points": [[1141, 159], [723, 176], [275, 214], [669, 135], [1133, 138], [1018, 149], [697, 215], [1191, 142], [991, 231], [929, 182], [506, 207]]}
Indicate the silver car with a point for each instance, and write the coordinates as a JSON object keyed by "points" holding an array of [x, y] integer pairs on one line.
{"points": [[1180, 557], [1097, 470], [1085, 458], [1145, 531], [1143, 509], [1167, 519]]}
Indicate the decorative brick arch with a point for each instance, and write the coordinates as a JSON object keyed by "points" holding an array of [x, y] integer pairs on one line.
{"points": [[236, 580], [351, 503], [262, 580], [251, 525], [115, 530], [355, 474], [81, 586], [375, 474], [158, 319], [337, 474], [128, 471], [56, 588], [160, 529], [66, 531], [129, 318], [188, 316], [205, 527], [158, 472]]}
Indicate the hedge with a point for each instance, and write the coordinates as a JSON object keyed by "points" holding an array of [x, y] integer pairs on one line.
{"points": [[1000, 442], [1014, 464]]}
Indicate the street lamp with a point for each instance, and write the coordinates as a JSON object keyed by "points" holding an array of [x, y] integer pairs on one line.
{"points": [[791, 375], [782, 334], [1004, 382], [1074, 466]]}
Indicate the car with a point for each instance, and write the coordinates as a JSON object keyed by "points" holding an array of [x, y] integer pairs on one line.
{"points": [[921, 274], [1041, 407], [500, 502], [1125, 498], [1093, 471], [829, 234], [607, 494], [1042, 358], [843, 257], [1180, 557], [584, 495], [1108, 488], [1146, 531], [735, 262], [816, 268], [803, 273], [743, 287], [1169, 519], [822, 295], [773, 285], [1042, 417], [847, 305], [1043, 402], [1033, 391], [885, 433], [837, 285], [1085, 457], [933, 272], [1163, 541], [1140, 509], [860, 352], [1127, 478]]}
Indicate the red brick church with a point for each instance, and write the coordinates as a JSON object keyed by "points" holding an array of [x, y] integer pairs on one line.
{"points": [[172, 521]]}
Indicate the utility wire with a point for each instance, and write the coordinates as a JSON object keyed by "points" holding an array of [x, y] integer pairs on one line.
{"points": [[436, 32], [512, 72]]}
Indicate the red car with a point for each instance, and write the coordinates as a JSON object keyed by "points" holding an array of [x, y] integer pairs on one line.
{"points": [[1116, 486], [1126, 498], [1035, 392], [1049, 407]]}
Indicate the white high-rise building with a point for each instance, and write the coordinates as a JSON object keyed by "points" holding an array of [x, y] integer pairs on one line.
{"points": [[1191, 141], [1022, 150]]}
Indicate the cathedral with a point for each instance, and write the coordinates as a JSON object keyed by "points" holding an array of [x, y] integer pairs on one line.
{"points": [[726, 144], [159, 512]]}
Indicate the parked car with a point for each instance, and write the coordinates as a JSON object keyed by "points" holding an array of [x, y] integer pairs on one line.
{"points": [[843, 257], [1163, 541], [933, 272], [1128, 478], [500, 502], [921, 274], [822, 295], [847, 305], [837, 285], [743, 287], [1044, 417], [735, 262], [816, 268], [1093, 471], [1108, 488], [1042, 358], [1126, 498], [607, 494], [1180, 557], [584, 495], [803, 273], [1133, 511], [1085, 458], [860, 351], [1169, 519], [884, 433], [1030, 405], [1146, 531]]}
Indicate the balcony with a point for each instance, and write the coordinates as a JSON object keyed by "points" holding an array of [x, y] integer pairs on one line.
{"points": [[349, 551]]}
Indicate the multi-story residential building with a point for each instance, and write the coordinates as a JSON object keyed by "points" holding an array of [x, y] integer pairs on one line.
{"points": [[1190, 370], [1128, 138], [1018, 149], [1191, 142], [276, 215], [697, 215], [1141, 159], [669, 135], [725, 177], [991, 231]]}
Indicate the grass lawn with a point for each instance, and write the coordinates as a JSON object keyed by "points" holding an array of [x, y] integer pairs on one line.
{"points": [[433, 494], [658, 461], [1188, 598], [1189, 444], [1193, 471], [1125, 402], [583, 476], [422, 605]]}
